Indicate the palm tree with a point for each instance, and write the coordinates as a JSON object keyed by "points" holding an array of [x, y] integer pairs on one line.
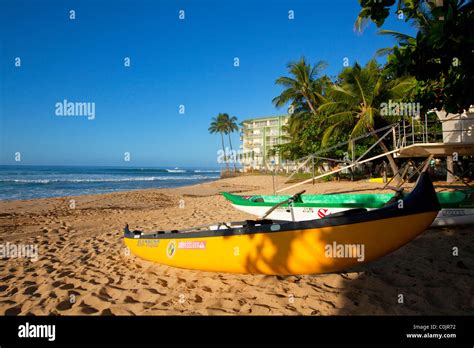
{"points": [[303, 88], [230, 127], [356, 101], [219, 126], [418, 11], [422, 21]]}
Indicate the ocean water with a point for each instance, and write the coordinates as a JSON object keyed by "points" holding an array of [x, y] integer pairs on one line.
{"points": [[27, 182]]}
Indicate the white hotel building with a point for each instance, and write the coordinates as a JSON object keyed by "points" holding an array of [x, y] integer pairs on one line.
{"points": [[259, 137]]}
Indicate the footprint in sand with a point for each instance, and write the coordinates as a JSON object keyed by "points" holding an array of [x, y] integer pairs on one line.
{"points": [[13, 310], [162, 282], [107, 311], [64, 305], [104, 294], [197, 299], [89, 310], [155, 292], [65, 274], [130, 299], [12, 292], [168, 303], [66, 286], [8, 277], [52, 294], [30, 290]]}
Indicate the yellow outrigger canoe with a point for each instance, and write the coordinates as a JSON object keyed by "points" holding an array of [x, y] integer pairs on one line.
{"points": [[331, 244]]}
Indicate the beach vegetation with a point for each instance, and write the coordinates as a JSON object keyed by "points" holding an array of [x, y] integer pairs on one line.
{"points": [[219, 127], [439, 56], [354, 102], [225, 124], [429, 70]]}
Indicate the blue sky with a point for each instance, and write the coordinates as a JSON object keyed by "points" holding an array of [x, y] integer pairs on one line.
{"points": [[173, 62]]}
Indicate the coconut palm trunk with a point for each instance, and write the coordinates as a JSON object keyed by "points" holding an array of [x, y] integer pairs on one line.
{"points": [[225, 155], [310, 104], [232, 152]]}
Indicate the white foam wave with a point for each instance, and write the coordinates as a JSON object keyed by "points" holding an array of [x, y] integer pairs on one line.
{"points": [[146, 178]]}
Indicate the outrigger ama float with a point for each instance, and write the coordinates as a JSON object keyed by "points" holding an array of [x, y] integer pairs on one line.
{"points": [[285, 248]]}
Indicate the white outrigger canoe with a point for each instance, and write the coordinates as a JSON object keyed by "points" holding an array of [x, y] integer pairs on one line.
{"points": [[457, 207]]}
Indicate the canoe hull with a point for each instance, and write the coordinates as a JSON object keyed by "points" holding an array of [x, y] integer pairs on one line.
{"points": [[453, 217], [333, 244], [308, 251], [446, 217]]}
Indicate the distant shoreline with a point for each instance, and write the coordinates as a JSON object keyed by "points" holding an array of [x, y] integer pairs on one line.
{"points": [[98, 195], [32, 182]]}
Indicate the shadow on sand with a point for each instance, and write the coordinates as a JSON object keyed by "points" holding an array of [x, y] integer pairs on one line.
{"points": [[425, 272], [427, 275]]}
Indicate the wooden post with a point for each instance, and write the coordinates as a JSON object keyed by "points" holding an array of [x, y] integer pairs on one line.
{"points": [[273, 179], [353, 150], [394, 136], [312, 160], [450, 166], [404, 135]]}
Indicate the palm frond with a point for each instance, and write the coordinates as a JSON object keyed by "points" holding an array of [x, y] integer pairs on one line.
{"points": [[362, 20], [383, 51], [342, 117], [328, 132], [331, 106], [286, 81], [402, 87], [400, 37], [359, 129]]}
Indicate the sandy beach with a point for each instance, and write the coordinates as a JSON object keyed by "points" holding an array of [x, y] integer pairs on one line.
{"points": [[84, 268]]}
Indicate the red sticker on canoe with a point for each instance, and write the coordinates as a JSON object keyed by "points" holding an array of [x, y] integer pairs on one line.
{"points": [[322, 212]]}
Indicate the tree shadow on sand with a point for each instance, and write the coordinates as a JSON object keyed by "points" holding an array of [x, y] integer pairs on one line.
{"points": [[431, 280], [427, 275]]}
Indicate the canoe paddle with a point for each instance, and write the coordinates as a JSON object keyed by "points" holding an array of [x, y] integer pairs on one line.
{"points": [[290, 203]]}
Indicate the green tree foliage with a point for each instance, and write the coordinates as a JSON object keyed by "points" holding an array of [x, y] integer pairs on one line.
{"points": [[355, 102], [230, 126], [303, 90], [439, 57], [219, 125]]}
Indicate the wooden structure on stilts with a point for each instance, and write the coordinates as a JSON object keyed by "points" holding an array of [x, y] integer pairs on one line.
{"points": [[410, 139]]}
